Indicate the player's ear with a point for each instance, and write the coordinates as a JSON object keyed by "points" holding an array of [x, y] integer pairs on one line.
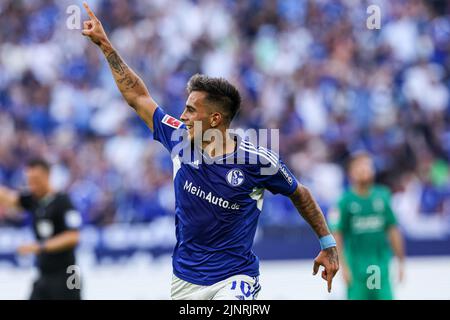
{"points": [[216, 119]]}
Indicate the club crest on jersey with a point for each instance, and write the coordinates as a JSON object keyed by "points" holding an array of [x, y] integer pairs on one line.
{"points": [[171, 122], [235, 177]]}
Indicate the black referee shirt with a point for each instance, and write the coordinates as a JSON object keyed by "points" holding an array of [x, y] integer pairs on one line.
{"points": [[52, 215]]}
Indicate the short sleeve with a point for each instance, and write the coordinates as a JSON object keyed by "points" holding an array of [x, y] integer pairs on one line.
{"points": [[282, 181], [72, 219], [164, 127]]}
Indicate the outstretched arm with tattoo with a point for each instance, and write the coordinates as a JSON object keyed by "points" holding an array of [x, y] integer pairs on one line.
{"points": [[130, 85], [311, 212]]}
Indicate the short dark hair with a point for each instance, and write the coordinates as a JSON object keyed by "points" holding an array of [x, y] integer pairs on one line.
{"points": [[219, 92], [38, 163]]}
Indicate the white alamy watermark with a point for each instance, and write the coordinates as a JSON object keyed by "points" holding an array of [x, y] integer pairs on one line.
{"points": [[374, 279], [212, 146], [73, 21], [74, 278], [374, 19]]}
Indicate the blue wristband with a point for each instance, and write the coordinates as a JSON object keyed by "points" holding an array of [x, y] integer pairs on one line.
{"points": [[327, 242]]}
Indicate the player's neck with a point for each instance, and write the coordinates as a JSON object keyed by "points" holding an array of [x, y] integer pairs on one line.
{"points": [[45, 193], [362, 189], [218, 148]]}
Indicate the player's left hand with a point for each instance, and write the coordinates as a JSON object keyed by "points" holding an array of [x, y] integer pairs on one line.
{"points": [[327, 258], [32, 248], [93, 28]]}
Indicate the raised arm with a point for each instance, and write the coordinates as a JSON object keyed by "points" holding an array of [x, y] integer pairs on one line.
{"points": [[9, 199], [311, 212], [130, 85]]}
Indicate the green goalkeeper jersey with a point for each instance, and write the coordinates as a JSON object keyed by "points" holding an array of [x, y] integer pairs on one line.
{"points": [[363, 222]]}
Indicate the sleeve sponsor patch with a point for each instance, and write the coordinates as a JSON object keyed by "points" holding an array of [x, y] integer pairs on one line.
{"points": [[171, 122], [286, 175], [73, 219]]}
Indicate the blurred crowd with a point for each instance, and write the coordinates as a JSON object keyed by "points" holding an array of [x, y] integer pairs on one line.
{"points": [[310, 68]]}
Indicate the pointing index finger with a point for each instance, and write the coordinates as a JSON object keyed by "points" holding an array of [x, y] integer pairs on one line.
{"points": [[89, 11], [329, 280]]}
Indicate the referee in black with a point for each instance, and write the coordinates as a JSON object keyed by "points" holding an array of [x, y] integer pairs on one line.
{"points": [[56, 226]]}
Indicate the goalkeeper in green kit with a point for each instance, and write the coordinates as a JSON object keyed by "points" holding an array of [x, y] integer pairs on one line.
{"points": [[366, 233]]}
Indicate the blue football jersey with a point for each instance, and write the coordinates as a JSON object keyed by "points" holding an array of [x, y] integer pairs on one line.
{"points": [[217, 204]]}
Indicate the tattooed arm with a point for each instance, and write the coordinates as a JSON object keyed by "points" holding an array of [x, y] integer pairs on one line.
{"points": [[130, 85], [311, 212]]}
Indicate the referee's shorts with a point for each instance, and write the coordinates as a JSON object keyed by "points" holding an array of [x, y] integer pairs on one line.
{"points": [[53, 286]]}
